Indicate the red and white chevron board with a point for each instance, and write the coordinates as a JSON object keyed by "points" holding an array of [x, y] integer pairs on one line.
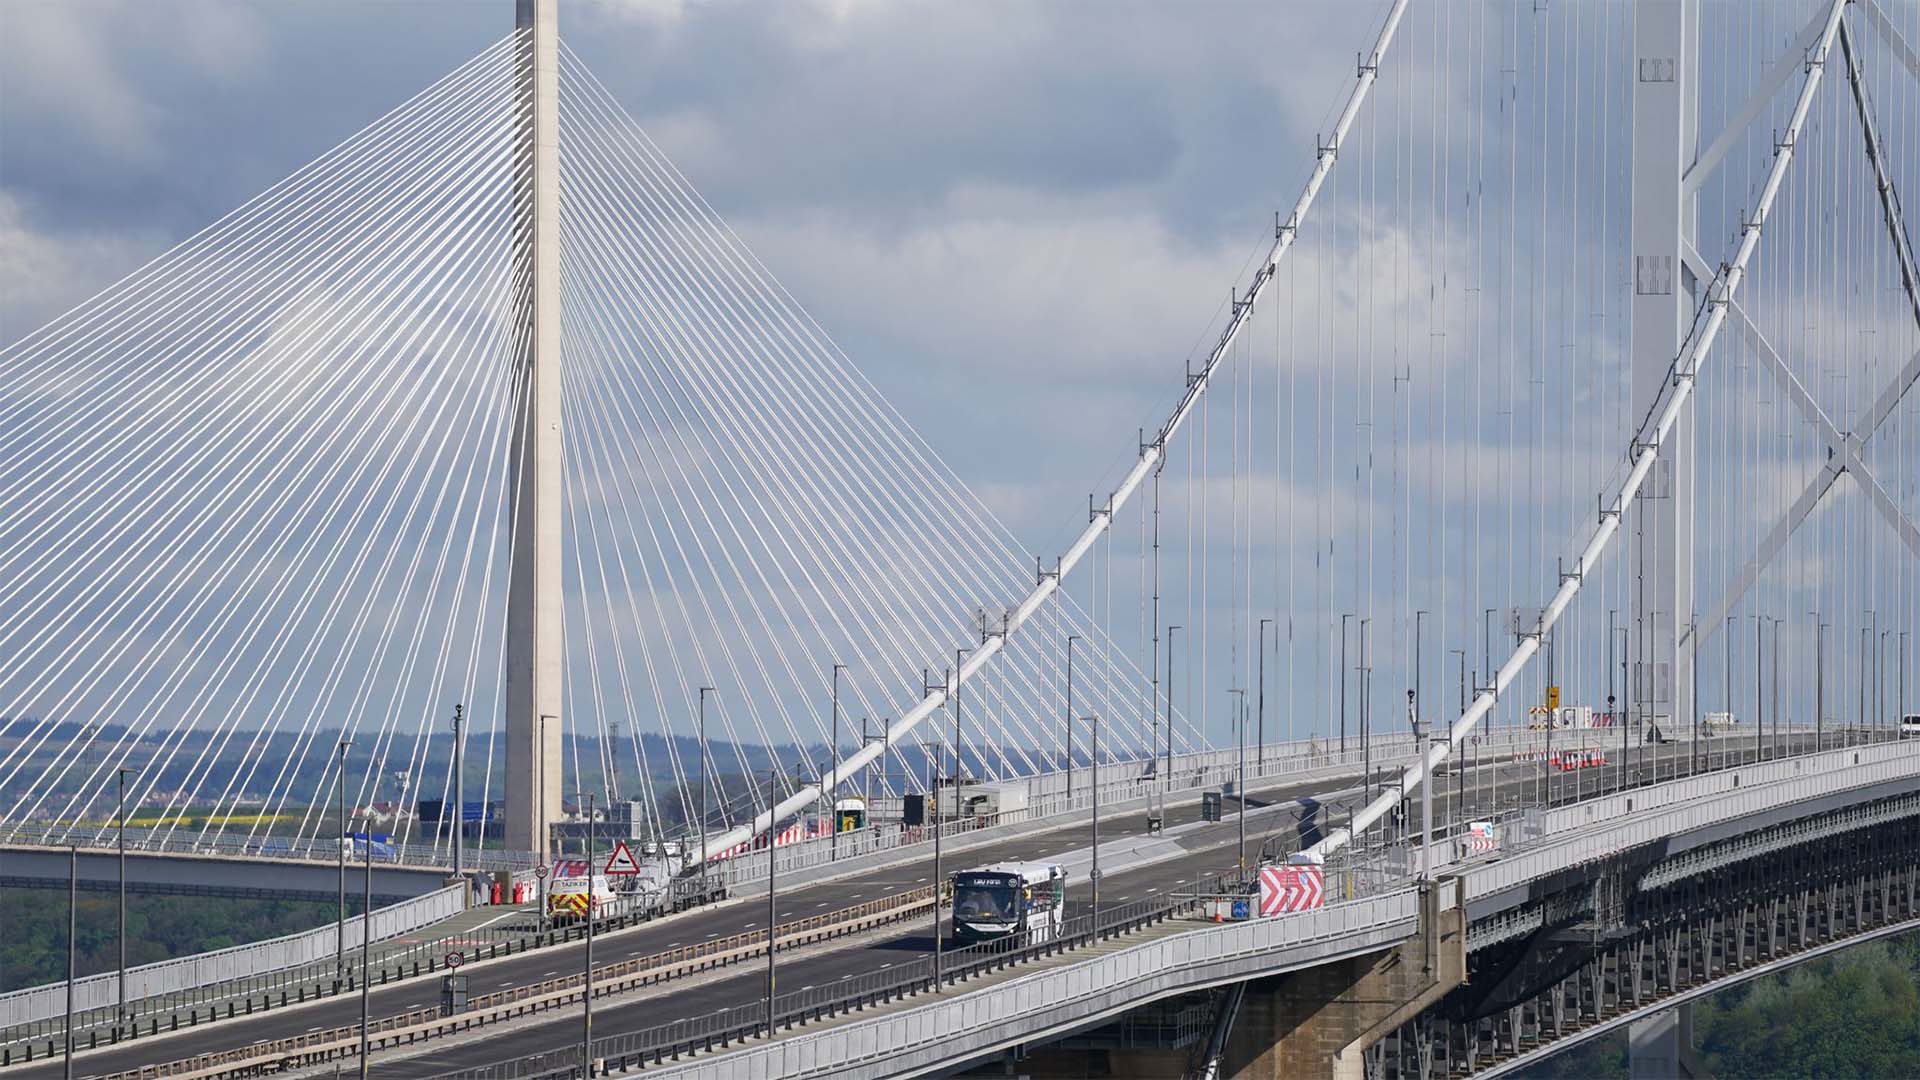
{"points": [[1288, 889]]}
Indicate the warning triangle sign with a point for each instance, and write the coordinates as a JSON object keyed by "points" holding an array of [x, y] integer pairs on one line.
{"points": [[621, 861]]}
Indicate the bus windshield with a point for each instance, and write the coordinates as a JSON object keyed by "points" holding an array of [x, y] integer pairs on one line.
{"points": [[993, 903]]}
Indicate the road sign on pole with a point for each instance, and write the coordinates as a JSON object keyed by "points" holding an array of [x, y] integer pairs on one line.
{"points": [[621, 861], [455, 959], [540, 871]]}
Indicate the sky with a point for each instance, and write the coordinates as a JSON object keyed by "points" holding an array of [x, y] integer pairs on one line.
{"points": [[1016, 218], [1022, 220]]}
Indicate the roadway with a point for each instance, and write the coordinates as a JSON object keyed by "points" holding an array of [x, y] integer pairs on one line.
{"points": [[1209, 850], [1205, 849], [683, 929]]}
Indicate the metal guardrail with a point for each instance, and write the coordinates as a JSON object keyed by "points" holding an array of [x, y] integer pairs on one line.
{"points": [[1121, 784], [303, 849], [426, 1023], [239, 971], [718, 1030]]}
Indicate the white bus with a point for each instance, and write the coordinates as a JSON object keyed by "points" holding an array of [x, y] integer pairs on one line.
{"points": [[1009, 898]]}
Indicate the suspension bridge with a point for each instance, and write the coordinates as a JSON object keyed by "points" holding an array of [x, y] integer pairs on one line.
{"points": [[1524, 559]]}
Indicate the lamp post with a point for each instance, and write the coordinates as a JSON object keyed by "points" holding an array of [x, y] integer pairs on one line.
{"points": [[585, 799], [1240, 784], [459, 801], [705, 890], [340, 922], [1260, 714], [1067, 767], [959, 758], [366, 940], [120, 842], [773, 911], [932, 757], [73, 929], [1819, 682], [833, 759], [1093, 877], [1366, 745], [1344, 616]]}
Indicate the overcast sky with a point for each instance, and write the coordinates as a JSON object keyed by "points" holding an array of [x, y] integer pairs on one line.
{"points": [[1017, 218]]}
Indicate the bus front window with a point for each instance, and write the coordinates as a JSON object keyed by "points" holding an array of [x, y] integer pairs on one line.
{"points": [[990, 903]]}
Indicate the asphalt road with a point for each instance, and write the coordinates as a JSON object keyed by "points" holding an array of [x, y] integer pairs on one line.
{"points": [[1210, 851], [540, 965]]}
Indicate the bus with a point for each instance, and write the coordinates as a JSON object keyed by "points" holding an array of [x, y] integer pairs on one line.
{"points": [[1009, 898]]}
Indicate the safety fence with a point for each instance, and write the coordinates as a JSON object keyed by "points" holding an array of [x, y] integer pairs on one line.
{"points": [[324, 849], [421, 1024], [239, 971]]}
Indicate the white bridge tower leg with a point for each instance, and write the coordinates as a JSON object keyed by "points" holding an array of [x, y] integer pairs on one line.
{"points": [[534, 623], [1665, 143]]}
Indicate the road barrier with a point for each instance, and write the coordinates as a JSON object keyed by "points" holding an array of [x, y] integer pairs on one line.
{"points": [[427, 1023]]}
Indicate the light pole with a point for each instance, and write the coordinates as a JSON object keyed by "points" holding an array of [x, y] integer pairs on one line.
{"points": [[705, 889], [459, 801], [959, 758], [585, 799], [833, 759], [1166, 782], [340, 922], [1240, 784], [73, 929], [1819, 682], [121, 843], [1068, 767], [933, 788], [1093, 878], [773, 911], [1419, 694], [366, 939], [1344, 616], [1366, 745], [1260, 715]]}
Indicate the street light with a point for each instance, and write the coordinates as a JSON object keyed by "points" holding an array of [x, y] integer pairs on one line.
{"points": [[121, 843], [1093, 878], [1167, 780], [773, 911], [706, 892], [1068, 766], [340, 922], [584, 798], [833, 759], [459, 801], [1261, 710], [1344, 616], [1240, 785]]}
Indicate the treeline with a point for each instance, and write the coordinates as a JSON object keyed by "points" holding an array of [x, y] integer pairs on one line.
{"points": [[1853, 1014], [33, 946]]}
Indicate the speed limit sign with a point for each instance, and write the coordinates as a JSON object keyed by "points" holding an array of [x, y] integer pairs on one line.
{"points": [[540, 871], [455, 959]]}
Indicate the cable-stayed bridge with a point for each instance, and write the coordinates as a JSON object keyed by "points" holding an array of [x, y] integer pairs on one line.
{"points": [[1560, 423]]}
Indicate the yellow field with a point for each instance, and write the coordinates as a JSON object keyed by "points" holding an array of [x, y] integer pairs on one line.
{"points": [[182, 818]]}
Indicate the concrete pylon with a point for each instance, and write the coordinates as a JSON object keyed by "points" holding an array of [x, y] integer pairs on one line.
{"points": [[1661, 1048], [535, 628], [1660, 540]]}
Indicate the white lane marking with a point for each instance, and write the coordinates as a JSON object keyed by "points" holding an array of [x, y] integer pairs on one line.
{"points": [[548, 974]]}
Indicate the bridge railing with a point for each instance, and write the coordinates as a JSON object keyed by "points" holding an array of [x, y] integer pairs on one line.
{"points": [[240, 970], [324, 849], [1123, 786]]}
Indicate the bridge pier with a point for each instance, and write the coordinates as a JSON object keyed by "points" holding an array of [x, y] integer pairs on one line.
{"points": [[1661, 1048], [1322, 1021]]}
